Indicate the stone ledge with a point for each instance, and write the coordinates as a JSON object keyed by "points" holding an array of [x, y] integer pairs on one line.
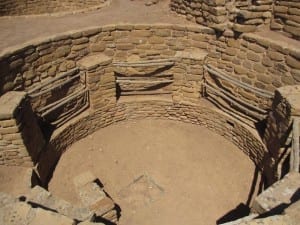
{"points": [[92, 61], [9, 103], [292, 95]]}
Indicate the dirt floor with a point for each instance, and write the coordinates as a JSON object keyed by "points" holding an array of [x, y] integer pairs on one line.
{"points": [[160, 172], [14, 180], [17, 30]]}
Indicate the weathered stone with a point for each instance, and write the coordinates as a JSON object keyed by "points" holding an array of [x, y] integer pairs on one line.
{"points": [[293, 62], [50, 218], [12, 101], [243, 28], [124, 46], [259, 68], [16, 64], [296, 74], [253, 57], [98, 47], [275, 55], [62, 51], [278, 194], [239, 70]]}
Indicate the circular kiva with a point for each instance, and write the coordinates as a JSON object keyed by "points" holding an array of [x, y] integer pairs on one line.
{"points": [[81, 81]]}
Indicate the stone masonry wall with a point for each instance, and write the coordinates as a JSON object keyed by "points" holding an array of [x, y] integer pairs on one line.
{"points": [[239, 15], [253, 59], [286, 18], [198, 114], [31, 7], [259, 61], [20, 137], [25, 67]]}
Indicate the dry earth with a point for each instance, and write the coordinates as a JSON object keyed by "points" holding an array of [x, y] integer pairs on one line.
{"points": [[190, 175], [17, 30]]}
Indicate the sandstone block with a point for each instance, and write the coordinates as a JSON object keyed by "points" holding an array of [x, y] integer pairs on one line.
{"points": [[93, 61], [292, 62], [98, 47], [253, 57], [275, 56], [240, 70], [12, 101], [243, 28]]}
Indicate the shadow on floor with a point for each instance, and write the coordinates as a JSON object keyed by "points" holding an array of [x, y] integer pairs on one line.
{"points": [[244, 209]]}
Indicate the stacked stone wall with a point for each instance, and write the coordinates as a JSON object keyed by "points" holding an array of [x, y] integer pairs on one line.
{"points": [[258, 61], [253, 59], [20, 137], [240, 15], [31, 7], [198, 114], [286, 18]]}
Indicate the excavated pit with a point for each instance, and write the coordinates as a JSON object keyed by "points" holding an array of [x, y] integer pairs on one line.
{"points": [[144, 122], [162, 172]]}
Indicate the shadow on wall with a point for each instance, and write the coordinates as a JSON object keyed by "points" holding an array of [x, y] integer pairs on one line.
{"points": [[243, 209]]}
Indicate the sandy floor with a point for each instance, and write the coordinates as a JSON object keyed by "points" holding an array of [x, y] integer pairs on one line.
{"points": [[13, 180], [17, 30], [191, 175]]}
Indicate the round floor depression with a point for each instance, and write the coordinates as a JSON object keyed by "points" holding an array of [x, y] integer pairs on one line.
{"points": [[162, 172]]}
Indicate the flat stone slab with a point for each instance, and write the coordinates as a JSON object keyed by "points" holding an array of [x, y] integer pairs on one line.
{"points": [[50, 218], [9, 103], [278, 196], [193, 54], [40, 196], [92, 195], [93, 61]]}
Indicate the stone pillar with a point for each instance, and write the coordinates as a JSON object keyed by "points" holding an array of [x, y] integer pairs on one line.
{"points": [[277, 136], [100, 80], [21, 139], [188, 76]]}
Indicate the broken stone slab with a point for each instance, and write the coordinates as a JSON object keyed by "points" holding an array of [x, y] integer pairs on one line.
{"points": [[91, 194], [49, 218], [40, 196], [278, 196], [83, 179]]}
